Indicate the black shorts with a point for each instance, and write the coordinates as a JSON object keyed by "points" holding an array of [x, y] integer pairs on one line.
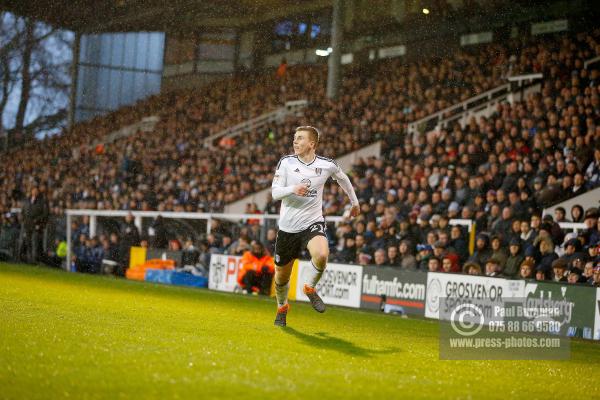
{"points": [[289, 246]]}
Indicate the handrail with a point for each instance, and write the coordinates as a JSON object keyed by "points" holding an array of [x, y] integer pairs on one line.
{"points": [[175, 214], [591, 61], [574, 226], [293, 107], [527, 77], [464, 105], [138, 215], [473, 102]]}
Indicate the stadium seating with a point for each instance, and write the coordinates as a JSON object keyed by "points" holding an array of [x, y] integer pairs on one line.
{"points": [[495, 170]]}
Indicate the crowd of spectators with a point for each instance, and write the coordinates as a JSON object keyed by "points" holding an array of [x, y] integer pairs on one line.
{"points": [[498, 171], [161, 169]]}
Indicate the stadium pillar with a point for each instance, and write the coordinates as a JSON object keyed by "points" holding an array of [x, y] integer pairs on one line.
{"points": [[67, 265], [74, 74], [138, 223], [334, 62], [93, 224]]}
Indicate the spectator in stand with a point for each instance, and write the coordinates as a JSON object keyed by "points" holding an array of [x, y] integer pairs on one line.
{"points": [[256, 270], [560, 215], [526, 270], [471, 268], [492, 267], [592, 234], [527, 234], [190, 254], [251, 208], [174, 245], [158, 234], [240, 246], [547, 256], [393, 257], [573, 252], [433, 264], [129, 237], [556, 233], [96, 255], [77, 254], [9, 237], [407, 259], [425, 252], [482, 251], [593, 252], [587, 276], [514, 260], [577, 213], [596, 277], [575, 276], [559, 270], [379, 258], [271, 239], [348, 253], [56, 255], [364, 257], [35, 216], [459, 243], [541, 275], [448, 264], [498, 252], [223, 246], [592, 172], [549, 136], [110, 254]]}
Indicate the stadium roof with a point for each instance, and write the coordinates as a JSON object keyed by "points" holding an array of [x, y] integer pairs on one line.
{"points": [[157, 15]]}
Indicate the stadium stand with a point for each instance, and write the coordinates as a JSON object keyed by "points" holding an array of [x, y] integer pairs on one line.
{"points": [[499, 171]]}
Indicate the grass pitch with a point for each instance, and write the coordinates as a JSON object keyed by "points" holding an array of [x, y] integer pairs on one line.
{"points": [[70, 335]]}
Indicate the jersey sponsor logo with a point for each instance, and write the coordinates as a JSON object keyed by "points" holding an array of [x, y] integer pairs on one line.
{"points": [[310, 192], [318, 171]]}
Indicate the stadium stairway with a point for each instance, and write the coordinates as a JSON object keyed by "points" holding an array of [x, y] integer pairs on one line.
{"points": [[291, 108], [586, 200], [482, 105]]}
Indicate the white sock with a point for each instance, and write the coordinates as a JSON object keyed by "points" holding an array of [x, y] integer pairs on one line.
{"points": [[313, 275], [281, 292]]}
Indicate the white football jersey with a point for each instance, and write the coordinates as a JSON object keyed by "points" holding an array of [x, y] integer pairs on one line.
{"points": [[299, 212]]}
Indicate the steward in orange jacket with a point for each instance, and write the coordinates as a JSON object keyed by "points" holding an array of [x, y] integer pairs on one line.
{"points": [[256, 270]]}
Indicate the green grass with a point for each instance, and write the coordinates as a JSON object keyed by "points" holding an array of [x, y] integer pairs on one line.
{"points": [[80, 336]]}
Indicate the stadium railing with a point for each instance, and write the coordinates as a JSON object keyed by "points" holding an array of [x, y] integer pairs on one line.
{"points": [[482, 104], [139, 215], [208, 217], [294, 107], [591, 61]]}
